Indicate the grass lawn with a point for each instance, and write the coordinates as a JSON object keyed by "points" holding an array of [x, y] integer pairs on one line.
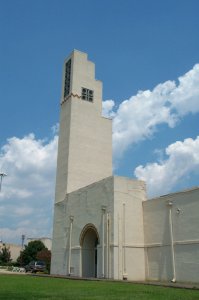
{"points": [[32, 287]]}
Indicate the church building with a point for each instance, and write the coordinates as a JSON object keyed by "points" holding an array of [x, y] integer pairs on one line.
{"points": [[104, 226]]}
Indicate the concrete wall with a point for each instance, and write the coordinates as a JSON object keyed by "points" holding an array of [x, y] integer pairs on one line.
{"points": [[128, 241], [113, 206], [181, 262], [86, 207], [14, 250], [85, 137]]}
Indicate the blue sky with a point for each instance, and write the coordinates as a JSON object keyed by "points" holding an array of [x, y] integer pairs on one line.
{"points": [[146, 54]]}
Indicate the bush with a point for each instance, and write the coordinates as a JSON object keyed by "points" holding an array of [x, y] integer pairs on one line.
{"points": [[5, 255]]}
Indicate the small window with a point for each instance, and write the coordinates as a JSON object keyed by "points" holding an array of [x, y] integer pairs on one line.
{"points": [[87, 95]]}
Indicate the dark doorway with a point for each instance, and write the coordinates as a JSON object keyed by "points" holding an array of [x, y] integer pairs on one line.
{"points": [[89, 253]]}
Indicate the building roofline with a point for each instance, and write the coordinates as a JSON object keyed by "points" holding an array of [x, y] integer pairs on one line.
{"points": [[176, 193]]}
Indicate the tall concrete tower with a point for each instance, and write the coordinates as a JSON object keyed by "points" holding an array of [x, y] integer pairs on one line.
{"points": [[93, 209], [85, 143]]}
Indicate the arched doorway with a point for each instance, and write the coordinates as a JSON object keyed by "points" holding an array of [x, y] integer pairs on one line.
{"points": [[89, 240]]}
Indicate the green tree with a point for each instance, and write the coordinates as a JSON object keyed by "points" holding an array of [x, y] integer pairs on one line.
{"points": [[45, 255], [5, 255], [30, 252]]}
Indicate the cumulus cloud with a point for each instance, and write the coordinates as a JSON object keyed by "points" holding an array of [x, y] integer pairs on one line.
{"points": [[28, 189], [107, 108], [27, 195], [137, 118], [55, 129], [182, 160]]}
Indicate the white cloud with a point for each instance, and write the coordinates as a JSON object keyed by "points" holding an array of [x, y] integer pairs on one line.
{"points": [[107, 108], [13, 235], [55, 129], [137, 118], [182, 160], [185, 97], [28, 190], [29, 164], [27, 195], [23, 211]]}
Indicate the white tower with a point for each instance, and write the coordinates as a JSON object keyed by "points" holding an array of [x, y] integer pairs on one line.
{"points": [[85, 137], [93, 209]]}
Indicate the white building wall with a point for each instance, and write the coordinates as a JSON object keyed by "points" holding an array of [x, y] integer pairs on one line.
{"points": [[129, 258], [13, 248], [85, 205], [90, 151], [185, 223], [114, 206], [85, 137], [138, 239]]}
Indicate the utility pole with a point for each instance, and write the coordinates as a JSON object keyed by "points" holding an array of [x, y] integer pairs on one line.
{"points": [[22, 241], [1, 178]]}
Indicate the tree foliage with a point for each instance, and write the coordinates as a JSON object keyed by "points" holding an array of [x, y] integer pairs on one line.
{"points": [[45, 255], [30, 252], [5, 255]]}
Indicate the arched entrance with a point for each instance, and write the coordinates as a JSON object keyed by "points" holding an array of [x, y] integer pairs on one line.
{"points": [[89, 240]]}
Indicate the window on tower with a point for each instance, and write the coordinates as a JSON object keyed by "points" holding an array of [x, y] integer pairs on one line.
{"points": [[87, 94], [67, 78]]}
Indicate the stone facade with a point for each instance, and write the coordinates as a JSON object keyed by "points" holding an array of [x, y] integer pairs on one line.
{"points": [[103, 225], [171, 234], [85, 138], [98, 231]]}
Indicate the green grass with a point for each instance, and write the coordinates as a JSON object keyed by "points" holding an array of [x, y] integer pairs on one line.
{"points": [[32, 287]]}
